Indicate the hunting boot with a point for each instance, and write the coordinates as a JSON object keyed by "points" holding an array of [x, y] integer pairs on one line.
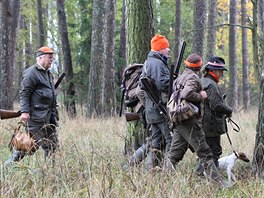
{"points": [[15, 157]]}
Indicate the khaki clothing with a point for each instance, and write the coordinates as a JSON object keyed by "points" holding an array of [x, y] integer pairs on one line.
{"points": [[189, 131], [185, 135], [190, 82]]}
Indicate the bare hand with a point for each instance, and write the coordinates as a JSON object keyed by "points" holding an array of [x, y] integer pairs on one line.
{"points": [[203, 94], [24, 117]]}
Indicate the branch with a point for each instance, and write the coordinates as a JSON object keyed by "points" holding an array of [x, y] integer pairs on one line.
{"points": [[224, 24]]}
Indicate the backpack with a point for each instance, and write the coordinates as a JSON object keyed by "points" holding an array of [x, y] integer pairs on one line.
{"points": [[179, 109], [130, 80]]}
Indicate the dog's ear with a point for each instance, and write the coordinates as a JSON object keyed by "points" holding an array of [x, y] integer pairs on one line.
{"points": [[243, 157]]}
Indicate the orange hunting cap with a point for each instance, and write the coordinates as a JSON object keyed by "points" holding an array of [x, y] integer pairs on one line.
{"points": [[159, 42], [194, 61], [45, 50]]}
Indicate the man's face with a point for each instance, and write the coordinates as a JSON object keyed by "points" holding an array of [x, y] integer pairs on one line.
{"points": [[46, 60], [165, 52]]}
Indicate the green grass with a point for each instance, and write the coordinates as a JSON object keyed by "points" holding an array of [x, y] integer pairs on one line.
{"points": [[88, 164]]}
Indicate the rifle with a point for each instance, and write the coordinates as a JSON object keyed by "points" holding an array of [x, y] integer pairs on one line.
{"points": [[132, 116], [6, 114], [175, 73], [59, 80], [148, 86]]}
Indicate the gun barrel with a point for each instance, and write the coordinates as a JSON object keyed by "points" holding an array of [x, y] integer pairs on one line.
{"points": [[132, 116], [6, 114]]}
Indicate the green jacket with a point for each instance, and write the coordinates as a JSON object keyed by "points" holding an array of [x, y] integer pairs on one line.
{"points": [[38, 96], [215, 109]]}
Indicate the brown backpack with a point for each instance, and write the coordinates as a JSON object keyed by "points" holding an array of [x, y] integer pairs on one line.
{"points": [[130, 80]]}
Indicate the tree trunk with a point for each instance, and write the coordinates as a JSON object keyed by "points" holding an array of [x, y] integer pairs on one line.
{"points": [[139, 33], [10, 20], [139, 30], [199, 24], [232, 97], [41, 31], [258, 155], [245, 61], [177, 30], [211, 30], [108, 75], [122, 49], [94, 106], [4, 61], [66, 50]]}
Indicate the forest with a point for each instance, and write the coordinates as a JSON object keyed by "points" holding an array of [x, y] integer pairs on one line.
{"points": [[95, 40]]}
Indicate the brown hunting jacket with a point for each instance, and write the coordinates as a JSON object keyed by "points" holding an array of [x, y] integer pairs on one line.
{"points": [[190, 82]]}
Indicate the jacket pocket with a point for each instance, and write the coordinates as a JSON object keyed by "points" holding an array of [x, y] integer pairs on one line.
{"points": [[40, 113]]}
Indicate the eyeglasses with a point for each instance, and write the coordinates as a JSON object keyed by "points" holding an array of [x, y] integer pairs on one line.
{"points": [[49, 57]]}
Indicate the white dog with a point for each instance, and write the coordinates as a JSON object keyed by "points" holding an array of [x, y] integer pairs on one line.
{"points": [[227, 163]]}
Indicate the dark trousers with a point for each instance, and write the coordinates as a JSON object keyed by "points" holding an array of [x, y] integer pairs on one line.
{"points": [[45, 136], [160, 134], [215, 146]]}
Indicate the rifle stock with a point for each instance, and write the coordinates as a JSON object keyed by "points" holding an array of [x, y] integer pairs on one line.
{"points": [[132, 116], [6, 114]]}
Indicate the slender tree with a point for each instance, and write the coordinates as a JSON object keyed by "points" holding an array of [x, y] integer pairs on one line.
{"points": [[94, 106], [232, 97], [4, 61], [211, 30], [9, 29], [199, 24], [108, 73], [177, 30], [245, 61], [41, 30], [66, 50]]}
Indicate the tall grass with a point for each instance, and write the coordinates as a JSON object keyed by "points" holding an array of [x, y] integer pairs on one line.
{"points": [[88, 164]]}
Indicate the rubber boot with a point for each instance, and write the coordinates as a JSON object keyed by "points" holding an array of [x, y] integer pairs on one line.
{"points": [[168, 166], [213, 175], [138, 155], [15, 157], [149, 164], [199, 169]]}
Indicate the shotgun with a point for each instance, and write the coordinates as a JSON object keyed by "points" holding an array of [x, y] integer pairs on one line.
{"points": [[148, 86], [132, 116], [59, 80], [6, 114], [175, 71]]}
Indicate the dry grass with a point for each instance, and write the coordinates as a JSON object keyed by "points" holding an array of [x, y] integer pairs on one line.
{"points": [[88, 164]]}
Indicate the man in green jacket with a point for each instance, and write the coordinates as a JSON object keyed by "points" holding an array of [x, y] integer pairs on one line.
{"points": [[215, 109], [38, 105]]}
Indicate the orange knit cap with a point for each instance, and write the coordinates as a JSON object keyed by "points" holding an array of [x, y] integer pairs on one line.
{"points": [[194, 61], [44, 50], [159, 42]]}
